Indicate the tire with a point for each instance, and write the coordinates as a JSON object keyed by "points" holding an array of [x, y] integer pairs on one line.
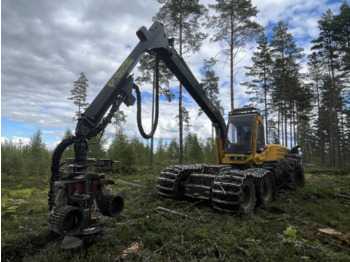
{"points": [[111, 205], [289, 174], [299, 180], [248, 196], [265, 191], [66, 220]]}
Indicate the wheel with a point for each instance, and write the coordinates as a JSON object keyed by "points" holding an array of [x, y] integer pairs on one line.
{"points": [[289, 173], [111, 205], [66, 220], [249, 197], [299, 180], [265, 191]]}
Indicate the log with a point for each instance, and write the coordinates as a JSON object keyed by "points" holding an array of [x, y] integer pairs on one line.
{"points": [[343, 196], [128, 183], [162, 209]]}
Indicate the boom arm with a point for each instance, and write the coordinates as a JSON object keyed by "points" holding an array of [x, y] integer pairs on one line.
{"points": [[119, 89], [119, 86]]}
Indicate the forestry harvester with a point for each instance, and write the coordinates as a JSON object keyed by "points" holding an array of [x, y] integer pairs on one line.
{"points": [[248, 171]]}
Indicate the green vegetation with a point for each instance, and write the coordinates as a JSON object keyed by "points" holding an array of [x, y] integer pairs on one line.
{"points": [[287, 228]]}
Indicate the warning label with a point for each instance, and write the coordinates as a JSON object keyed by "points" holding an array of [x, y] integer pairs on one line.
{"points": [[120, 72]]}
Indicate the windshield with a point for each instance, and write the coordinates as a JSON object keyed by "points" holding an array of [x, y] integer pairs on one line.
{"points": [[239, 134]]}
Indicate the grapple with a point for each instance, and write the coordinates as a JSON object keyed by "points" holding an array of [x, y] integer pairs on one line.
{"points": [[73, 196]]}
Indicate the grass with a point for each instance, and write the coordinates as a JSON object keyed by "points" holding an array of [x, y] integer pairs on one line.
{"points": [[285, 230]]}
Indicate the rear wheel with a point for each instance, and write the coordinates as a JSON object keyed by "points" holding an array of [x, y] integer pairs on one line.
{"points": [[249, 196], [289, 173], [299, 180], [265, 191]]}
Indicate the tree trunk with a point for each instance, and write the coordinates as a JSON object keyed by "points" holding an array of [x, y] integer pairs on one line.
{"points": [[181, 156], [231, 65], [278, 125], [152, 119], [282, 125], [335, 119], [266, 113], [296, 142]]}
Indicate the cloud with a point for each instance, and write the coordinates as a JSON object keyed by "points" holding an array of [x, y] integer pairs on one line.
{"points": [[16, 141], [46, 44]]}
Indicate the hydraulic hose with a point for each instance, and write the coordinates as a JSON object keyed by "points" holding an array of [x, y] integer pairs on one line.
{"points": [[55, 166], [138, 96]]}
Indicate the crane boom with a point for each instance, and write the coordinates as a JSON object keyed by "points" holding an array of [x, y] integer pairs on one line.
{"points": [[120, 84]]}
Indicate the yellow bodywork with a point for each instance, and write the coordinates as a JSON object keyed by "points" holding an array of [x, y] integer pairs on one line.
{"points": [[271, 152]]}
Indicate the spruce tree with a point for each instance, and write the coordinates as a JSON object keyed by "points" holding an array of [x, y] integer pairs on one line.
{"points": [[173, 151], [121, 151], [193, 149], [38, 155]]}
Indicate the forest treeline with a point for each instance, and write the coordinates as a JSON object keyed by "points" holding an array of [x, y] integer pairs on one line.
{"points": [[34, 159], [311, 109]]}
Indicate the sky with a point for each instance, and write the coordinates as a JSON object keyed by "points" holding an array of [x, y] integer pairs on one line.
{"points": [[45, 45]]}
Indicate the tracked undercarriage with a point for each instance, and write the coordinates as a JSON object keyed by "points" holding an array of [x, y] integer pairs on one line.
{"points": [[228, 188]]}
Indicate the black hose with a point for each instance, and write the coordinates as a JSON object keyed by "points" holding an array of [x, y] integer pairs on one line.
{"points": [[55, 166], [138, 95]]}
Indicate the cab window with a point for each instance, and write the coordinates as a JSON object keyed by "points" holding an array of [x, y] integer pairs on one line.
{"points": [[261, 137], [239, 134]]}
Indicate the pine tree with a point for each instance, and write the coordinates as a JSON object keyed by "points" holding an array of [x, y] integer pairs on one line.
{"points": [[286, 76], [342, 29], [181, 19], [304, 114], [186, 120], [236, 29], [79, 94], [261, 69], [148, 69], [315, 74], [211, 87], [328, 46]]}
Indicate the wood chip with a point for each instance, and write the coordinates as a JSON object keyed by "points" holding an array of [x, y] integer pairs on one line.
{"points": [[132, 249], [329, 231]]}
